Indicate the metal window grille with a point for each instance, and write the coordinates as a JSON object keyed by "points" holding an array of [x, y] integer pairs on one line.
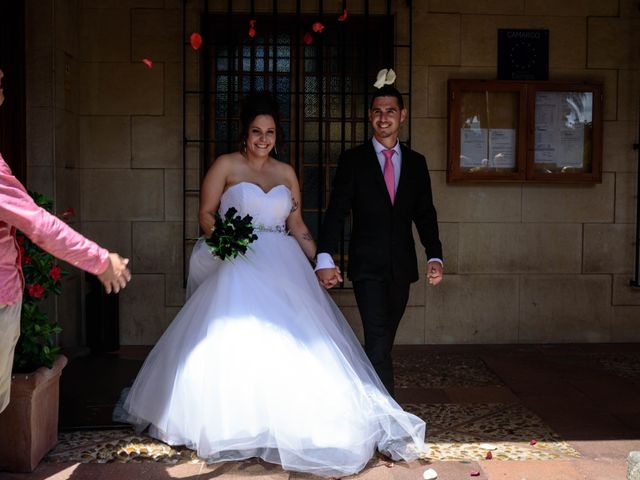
{"points": [[323, 87]]}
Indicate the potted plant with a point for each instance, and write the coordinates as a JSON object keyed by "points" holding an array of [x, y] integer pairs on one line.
{"points": [[29, 425]]}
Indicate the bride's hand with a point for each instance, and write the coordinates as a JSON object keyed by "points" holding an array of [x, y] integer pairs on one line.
{"points": [[329, 277]]}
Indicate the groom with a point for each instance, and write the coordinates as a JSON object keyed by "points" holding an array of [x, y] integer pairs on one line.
{"points": [[386, 187]]}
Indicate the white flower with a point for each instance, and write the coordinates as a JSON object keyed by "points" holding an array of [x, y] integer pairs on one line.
{"points": [[430, 474], [385, 77]]}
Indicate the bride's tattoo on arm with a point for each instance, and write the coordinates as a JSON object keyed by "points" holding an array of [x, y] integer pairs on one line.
{"points": [[307, 236], [295, 205]]}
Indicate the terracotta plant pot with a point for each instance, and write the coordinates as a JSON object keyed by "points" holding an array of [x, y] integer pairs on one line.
{"points": [[29, 425]]}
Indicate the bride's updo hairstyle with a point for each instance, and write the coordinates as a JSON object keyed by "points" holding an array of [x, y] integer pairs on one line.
{"points": [[260, 103]]}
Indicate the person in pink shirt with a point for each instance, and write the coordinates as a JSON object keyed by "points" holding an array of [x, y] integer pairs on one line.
{"points": [[19, 211]]}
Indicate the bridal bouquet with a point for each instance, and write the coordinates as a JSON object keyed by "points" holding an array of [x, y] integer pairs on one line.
{"points": [[231, 235]]}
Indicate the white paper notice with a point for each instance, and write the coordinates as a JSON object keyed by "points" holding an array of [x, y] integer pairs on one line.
{"points": [[473, 147], [502, 147], [560, 121]]}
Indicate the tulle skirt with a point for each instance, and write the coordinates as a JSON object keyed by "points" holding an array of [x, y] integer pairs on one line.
{"points": [[261, 363]]}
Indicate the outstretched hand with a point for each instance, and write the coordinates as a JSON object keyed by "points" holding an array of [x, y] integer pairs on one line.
{"points": [[117, 275], [329, 277], [434, 273]]}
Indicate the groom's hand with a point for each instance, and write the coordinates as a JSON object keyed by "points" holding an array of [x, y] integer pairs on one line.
{"points": [[329, 277], [434, 273]]}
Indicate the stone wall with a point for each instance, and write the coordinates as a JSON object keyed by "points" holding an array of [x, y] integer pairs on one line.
{"points": [[524, 263]]}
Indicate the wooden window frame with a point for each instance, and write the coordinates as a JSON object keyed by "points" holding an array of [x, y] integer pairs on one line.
{"points": [[525, 128]]}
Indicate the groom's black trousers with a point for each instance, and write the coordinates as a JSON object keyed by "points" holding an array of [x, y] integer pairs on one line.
{"points": [[381, 304]]}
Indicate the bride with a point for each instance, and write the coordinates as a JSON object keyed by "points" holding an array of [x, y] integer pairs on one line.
{"points": [[260, 362]]}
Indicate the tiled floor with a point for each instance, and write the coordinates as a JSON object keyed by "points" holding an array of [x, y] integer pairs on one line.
{"points": [[544, 412]]}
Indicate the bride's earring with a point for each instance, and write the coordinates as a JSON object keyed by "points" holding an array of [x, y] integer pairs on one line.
{"points": [[244, 146], [275, 150]]}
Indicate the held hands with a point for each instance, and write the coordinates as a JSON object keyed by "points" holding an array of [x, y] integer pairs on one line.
{"points": [[329, 277], [434, 273], [117, 275]]}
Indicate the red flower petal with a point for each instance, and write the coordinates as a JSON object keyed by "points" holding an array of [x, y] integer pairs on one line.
{"points": [[489, 455], [317, 27], [147, 62], [307, 39], [343, 17], [475, 473], [36, 290], [533, 441], [196, 40], [252, 32]]}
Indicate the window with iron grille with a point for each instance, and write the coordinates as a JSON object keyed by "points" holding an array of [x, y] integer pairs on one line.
{"points": [[322, 81]]}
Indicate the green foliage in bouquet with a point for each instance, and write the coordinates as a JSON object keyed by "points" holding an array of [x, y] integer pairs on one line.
{"points": [[231, 235], [36, 346]]}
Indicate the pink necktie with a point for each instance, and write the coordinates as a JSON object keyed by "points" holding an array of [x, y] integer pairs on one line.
{"points": [[389, 175]]}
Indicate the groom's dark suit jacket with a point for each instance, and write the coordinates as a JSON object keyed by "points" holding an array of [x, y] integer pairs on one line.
{"points": [[382, 246]]}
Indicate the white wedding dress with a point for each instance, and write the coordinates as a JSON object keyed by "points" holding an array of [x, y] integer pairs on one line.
{"points": [[261, 363]]}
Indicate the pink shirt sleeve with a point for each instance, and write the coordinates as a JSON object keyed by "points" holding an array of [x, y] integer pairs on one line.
{"points": [[18, 209]]}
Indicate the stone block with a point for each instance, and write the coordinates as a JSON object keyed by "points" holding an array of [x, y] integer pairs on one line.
{"points": [[121, 3], [449, 233], [617, 147], [565, 308], [66, 81], [569, 203], [625, 326], [438, 76], [67, 26], [123, 195], [608, 248], [436, 38], [623, 292], [156, 34], [572, 8], [157, 142], [613, 42], [519, 248], [173, 90], [67, 185], [41, 179], [429, 137], [411, 328], [629, 8], [105, 141], [67, 151], [343, 297], [175, 290], [475, 202], [483, 7], [419, 107], [39, 75], [174, 197], [105, 35], [567, 38], [121, 89], [114, 236], [142, 310], [40, 132], [628, 94], [157, 247], [473, 309], [416, 291]]}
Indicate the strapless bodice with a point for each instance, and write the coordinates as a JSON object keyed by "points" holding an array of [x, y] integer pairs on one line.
{"points": [[268, 209]]}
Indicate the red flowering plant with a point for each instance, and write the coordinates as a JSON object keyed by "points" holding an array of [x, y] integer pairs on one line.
{"points": [[36, 346]]}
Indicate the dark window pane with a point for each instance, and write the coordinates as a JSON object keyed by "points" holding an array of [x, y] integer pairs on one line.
{"points": [[311, 187], [311, 85], [311, 131], [311, 106], [310, 152]]}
